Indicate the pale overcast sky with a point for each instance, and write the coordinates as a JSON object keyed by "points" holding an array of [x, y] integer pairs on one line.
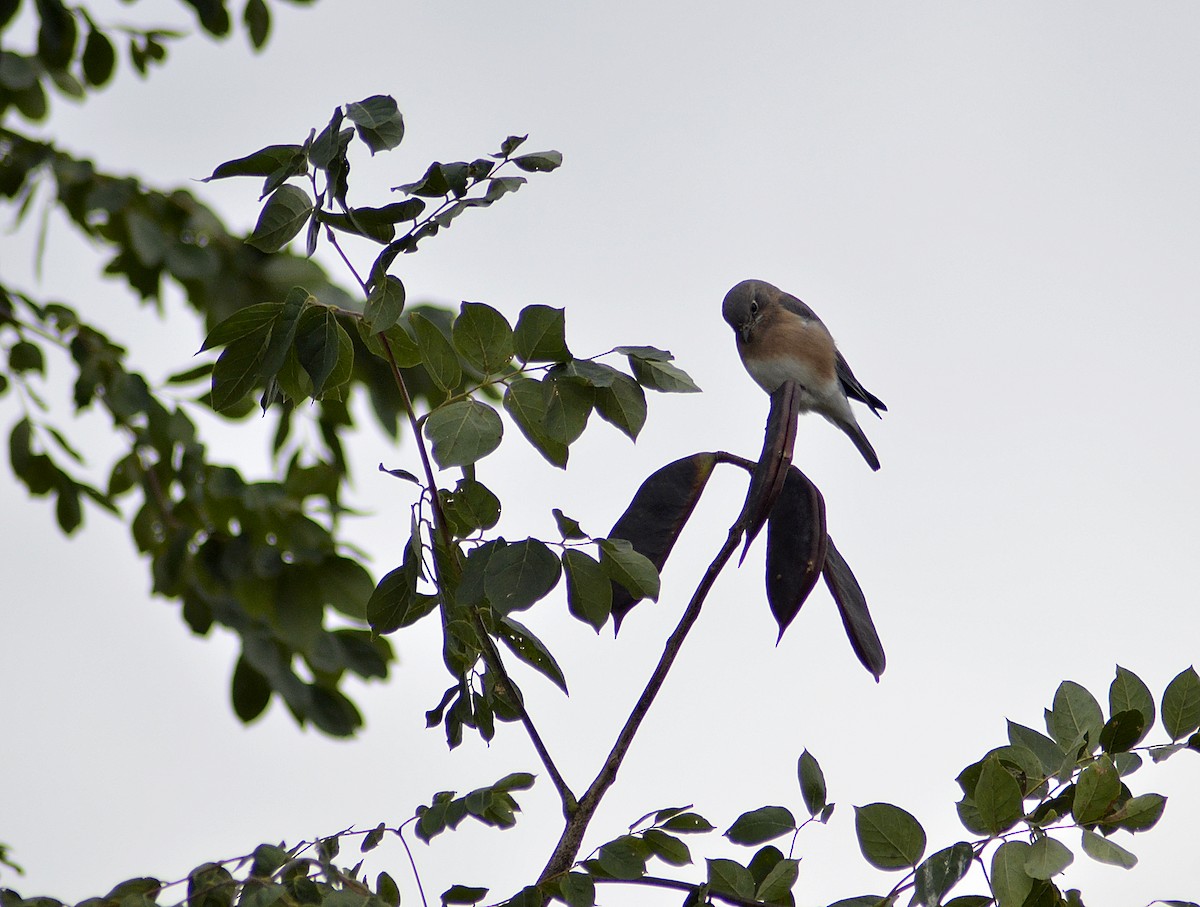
{"points": [[995, 209]]}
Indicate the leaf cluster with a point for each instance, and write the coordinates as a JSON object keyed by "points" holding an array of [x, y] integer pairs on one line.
{"points": [[1020, 798], [75, 52]]}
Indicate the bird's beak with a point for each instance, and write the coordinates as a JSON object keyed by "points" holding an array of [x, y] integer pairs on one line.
{"points": [[745, 329]]}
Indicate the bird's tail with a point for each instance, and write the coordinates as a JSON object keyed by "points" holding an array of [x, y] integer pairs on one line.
{"points": [[860, 441]]}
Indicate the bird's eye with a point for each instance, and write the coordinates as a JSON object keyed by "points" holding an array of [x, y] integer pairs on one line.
{"points": [[753, 307]]}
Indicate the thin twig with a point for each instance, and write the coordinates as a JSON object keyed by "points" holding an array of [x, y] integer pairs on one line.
{"points": [[491, 655], [569, 843]]}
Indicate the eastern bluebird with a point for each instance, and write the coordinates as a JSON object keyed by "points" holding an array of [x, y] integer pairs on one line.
{"points": [[779, 337]]}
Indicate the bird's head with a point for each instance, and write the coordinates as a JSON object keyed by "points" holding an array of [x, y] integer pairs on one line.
{"points": [[745, 305]]}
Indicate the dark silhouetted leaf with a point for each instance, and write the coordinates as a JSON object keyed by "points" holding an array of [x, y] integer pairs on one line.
{"points": [[99, 58], [540, 335], [379, 122], [384, 304], [1122, 731], [812, 783], [761, 825], [282, 218], [539, 162], [656, 516], [852, 605], [530, 650], [589, 589], [796, 544], [622, 403]]}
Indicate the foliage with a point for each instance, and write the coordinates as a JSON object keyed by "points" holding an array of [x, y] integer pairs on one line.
{"points": [[264, 558]]}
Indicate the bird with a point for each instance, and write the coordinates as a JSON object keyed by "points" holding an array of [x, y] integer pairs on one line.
{"points": [[779, 337]]}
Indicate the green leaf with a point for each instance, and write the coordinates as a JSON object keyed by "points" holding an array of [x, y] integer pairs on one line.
{"points": [[373, 839], [395, 602], [539, 162], [99, 58], [236, 371], [624, 858], [470, 507], [779, 882], [567, 527], [688, 824], [384, 304], [730, 877], [387, 889], [24, 356], [257, 18], [812, 783], [283, 331], [997, 796], [888, 836], [263, 162], [1181, 704], [1121, 732], [251, 691], [1075, 713], [540, 335], [1046, 858], [283, 216], [1138, 813], [667, 848], [568, 405], [520, 574], [243, 323], [1127, 691], [211, 885], [483, 337], [525, 401], [440, 359], [1010, 882], [379, 122], [463, 432], [323, 348], [1102, 850], [589, 589], [761, 825], [1049, 753], [531, 650], [57, 34], [634, 571], [623, 404], [462, 894], [1098, 787], [662, 376], [577, 889], [941, 872]]}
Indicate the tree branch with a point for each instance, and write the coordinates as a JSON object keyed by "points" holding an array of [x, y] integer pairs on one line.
{"points": [[491, 655], [569, 843]]}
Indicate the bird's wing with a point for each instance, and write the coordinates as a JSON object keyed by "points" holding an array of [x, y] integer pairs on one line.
{"points": [[854, 388], [792, 304]]}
